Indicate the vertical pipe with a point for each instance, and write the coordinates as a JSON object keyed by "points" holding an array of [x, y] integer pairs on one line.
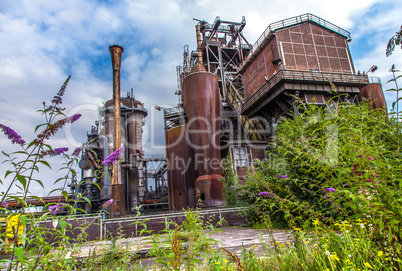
{"points": [[198, 33], [116, 52], [117, 186]]}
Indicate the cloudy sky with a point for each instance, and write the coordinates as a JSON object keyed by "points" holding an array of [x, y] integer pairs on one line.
{"points": [[44, 41]]}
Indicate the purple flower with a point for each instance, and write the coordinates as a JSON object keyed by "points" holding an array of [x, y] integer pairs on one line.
{"points": [[267, 194], [326, 217], [74, 118], [370, 157], [330, 189], [77, 151], [55, 208], [55, 108], [233, 188], [107, 203], [57, 99], [4, 204], [112, 157], [55, 152], [15, 138], [346, 184], [281, 176]]}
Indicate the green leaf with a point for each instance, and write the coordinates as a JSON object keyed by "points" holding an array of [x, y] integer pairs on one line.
{"points": [[55, 222], [45, 163], [65, 195], [19, 252], [39, 182]]}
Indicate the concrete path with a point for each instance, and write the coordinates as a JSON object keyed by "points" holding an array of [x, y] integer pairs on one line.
{"points": [[231, 238]]}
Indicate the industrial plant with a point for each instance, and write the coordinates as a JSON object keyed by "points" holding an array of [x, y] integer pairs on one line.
{"points": [[231, 95]]}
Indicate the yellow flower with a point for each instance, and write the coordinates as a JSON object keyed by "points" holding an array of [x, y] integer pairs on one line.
{"points": [[225, 260], [380, 253], [316, 222], [307, 242], [326, 269], [368, 265], [217, 263], [334, 257]]}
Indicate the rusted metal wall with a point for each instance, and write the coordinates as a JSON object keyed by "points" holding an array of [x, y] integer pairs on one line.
{"points": [[304, 47], [181, 173], [373, 92], [202, 104]]}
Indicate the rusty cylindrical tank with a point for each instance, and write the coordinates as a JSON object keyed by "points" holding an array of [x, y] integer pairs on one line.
{"points": [[202, 104], [181, 172], [118, 206], [373, 93]]}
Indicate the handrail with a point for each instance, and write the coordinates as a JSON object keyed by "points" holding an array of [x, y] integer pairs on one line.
{"points": [[305, 76]]}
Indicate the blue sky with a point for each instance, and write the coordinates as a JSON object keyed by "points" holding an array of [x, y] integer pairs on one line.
{"points": [[43, 41]]}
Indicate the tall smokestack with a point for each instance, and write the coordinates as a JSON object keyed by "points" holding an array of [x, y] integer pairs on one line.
{"points": [[117, 187]]}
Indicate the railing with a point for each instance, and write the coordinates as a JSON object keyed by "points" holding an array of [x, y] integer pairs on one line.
{"points": [[374, 79], [173, 110], [305, 76]]}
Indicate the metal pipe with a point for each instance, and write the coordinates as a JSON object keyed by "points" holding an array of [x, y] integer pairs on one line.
{"points": [[199, 44], [118, 206], [106, 169], [116, 52]]}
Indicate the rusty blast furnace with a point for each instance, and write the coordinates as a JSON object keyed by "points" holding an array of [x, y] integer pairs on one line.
{"points": [[232, 95], [120, 126]]}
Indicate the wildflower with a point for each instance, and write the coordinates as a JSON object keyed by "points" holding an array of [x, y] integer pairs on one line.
{"points": [[15, 138], [326, 217], [74, 118], [57, 99], [267, 194], [55, 208], [4, 204], [362, 225], [51, 129], [55, 152], [316, 222], [107, 203], [112, 157], [368, 265], [233, 188], [216, 263], [334, 257], [281, 176], [330, 189], [77, 151], [380, 253], [225, 260], [327, 253], [370, 157]]}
